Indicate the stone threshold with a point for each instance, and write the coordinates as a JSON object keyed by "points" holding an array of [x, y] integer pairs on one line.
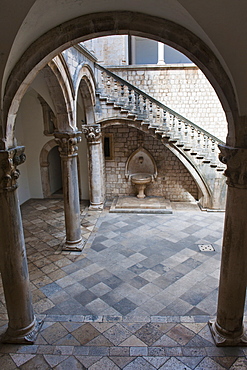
{"points": [[131, 204], [115, 319]]}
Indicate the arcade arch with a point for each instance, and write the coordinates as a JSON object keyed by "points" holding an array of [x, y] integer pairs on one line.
{"points": [[229, 324]]}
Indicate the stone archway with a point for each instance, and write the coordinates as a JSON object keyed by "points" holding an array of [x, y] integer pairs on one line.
{"points": [[229, 325], [94, 25], [86, 86], [44, 167]]}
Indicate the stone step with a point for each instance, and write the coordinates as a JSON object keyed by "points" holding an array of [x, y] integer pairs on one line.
{"points": [[172, 137]]}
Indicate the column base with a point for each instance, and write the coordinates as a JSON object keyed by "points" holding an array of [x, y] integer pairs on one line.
{"points": [[221, 339], [27, 335], [96, 207], [76, 246]]}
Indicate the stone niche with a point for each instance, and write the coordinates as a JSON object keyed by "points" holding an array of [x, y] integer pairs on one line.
{"points": [[173, 182]]}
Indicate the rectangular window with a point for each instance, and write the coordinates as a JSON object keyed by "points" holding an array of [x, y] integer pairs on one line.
{"points": [[108, 147]]}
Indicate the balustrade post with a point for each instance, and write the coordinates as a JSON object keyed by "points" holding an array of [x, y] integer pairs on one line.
{"points": [[206, 149], [213, 156], [186, 138], [158, 116], [193, 141], [199, 147], [22, 326], [116, 89], [121, 94]]}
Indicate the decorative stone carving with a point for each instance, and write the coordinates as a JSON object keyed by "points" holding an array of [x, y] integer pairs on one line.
{"points": [[9, 174], [67, 142], [92, 133], [236, 161]]}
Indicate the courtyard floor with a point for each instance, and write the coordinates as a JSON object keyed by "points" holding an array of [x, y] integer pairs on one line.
{"points": [[138, 296]]}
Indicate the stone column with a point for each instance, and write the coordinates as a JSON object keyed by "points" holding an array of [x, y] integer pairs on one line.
{"points": [[228, 329], [96, 165], [68, 149], [161, 55], [22, 326]]}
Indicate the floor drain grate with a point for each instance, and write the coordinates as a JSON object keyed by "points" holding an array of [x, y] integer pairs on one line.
{"points": [[206, 247]]}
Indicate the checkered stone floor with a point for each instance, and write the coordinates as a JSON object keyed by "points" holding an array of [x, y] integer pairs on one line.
{"points": [[138, 297]]}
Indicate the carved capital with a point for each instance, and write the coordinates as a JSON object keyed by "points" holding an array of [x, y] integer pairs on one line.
{"points": [[9, 174], [92, 133], [67, 142], [236, 161]]}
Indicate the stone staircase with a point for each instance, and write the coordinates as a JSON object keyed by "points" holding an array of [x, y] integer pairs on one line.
{"points": [[117, 98]]}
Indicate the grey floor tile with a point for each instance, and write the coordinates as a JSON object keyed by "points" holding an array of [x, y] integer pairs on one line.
{"points": [[138, 267], [125, 306], [85, 297]]}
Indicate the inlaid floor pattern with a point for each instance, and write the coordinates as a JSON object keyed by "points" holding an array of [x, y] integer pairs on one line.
{"points": [[138, 296]]}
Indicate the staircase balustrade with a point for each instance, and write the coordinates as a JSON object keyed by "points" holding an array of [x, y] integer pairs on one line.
{"points": [[194, 141]]}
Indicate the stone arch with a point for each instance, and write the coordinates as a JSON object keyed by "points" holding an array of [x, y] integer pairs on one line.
{"points": [[86, 85], [44, 167], [62, 93], [120, 22], [205, 194]]}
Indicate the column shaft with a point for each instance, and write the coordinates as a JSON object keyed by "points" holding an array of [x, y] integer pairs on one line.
{"points": [[96, 165], [228, 329], [71, 199], [234, 263], [161, 55], [68, 153], [22, 327]]}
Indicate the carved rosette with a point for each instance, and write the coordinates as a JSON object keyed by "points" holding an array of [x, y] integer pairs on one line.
{"points": [[92, 133], [236, 161], [9, 174], [68, 143]]}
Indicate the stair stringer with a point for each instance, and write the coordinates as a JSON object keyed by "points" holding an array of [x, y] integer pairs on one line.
{"points": [[205, 193]]}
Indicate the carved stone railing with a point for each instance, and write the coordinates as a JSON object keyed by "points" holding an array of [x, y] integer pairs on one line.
{"points": [[193, 141]]}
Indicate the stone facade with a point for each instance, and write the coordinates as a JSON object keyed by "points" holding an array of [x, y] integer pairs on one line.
{"points": [[183, 88], [173, 182], [111, 50]]}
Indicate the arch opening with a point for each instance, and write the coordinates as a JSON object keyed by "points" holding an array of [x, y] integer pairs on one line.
{"points": [[100, 24]]}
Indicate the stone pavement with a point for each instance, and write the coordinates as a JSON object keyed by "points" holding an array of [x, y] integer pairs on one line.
{"points": [[138, 297]]}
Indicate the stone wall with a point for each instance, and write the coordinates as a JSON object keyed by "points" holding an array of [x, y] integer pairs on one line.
{"points": [[109, 49], [173, 182], [183, 88]]}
